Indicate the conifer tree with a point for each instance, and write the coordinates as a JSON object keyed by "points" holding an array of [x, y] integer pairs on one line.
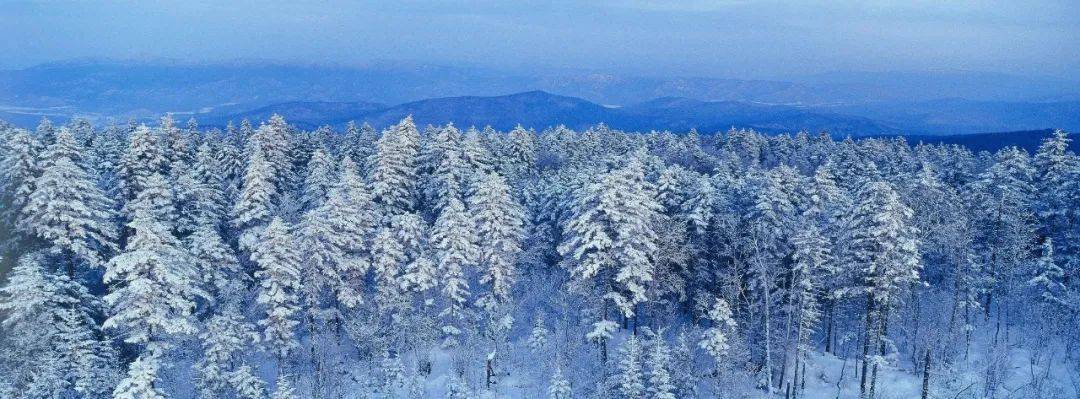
{"points": [[57, 348], [394, 171], [538, 337], [715, 339], [498, 228], [141, 377], [66, 209], [18, 169], [630, 381], [255, 206], [884, 243], [279, 284], [454, 241], [221, 372], [283, 389], [319, 179], [610, 237], [143, 158], [558, 386], [1048, 276], [216, 262], [661, 385], [153, 282]]}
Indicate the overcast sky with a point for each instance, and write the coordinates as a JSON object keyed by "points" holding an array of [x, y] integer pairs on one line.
{"points": [[739, 39]]}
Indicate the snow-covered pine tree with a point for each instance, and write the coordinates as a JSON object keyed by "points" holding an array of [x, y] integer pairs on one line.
{"points": [[538, 337], [498, 221], [1057, 184], [283, 389], [18, 169], [352, 215], [67, 210], [885, 244], [685, 373], [394, 171], [153, 281], [519, 154], [454, 240], [449, 173], [319, 179], [630, 380], [714, 340], [255, 205], [659, 369], [273, 140], [388, 257], [559, 386], [1001, 204], [421, 273], [144, 157], [279, 284], [1058, 201], [475, 155], [142, 375], [812, 261], [57, 348], [45, 131], [1048, 275], [176, 145], [217, 264], [211, 201], [221, 372], [247, 384], [610, 238]]}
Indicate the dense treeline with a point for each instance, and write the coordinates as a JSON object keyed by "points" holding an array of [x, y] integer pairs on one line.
{"points": [[272, 262]]}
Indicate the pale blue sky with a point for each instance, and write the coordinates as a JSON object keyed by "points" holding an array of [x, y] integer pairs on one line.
{"points": [[743, 39]]}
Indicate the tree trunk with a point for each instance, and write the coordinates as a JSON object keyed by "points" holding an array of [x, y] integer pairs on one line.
{"points": [[866, 345], [926, 376], [829, 329], [768, 339]]}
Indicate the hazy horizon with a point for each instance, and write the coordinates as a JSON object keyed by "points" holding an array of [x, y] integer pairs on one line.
{"points": [[727, 39]]}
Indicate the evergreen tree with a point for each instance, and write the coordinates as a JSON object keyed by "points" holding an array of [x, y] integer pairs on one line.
{"points": [[18, 169], [279, 284], [255, 206], [558, 386], [610, 236], [211, 200], [283, 389], [454, 241], [221, 371], [153, 282], [715, 339], [685, 378], [141, 377], [144, 157], [1048, 276], [498, 229], [538, 338], [217, 264], [56, 347], [884, 243], [630, 381], [394, 172], [319, 179], [66, 209], [661, 384]]}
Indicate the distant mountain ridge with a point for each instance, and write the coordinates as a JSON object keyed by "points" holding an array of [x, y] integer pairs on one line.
{"points": [[949, 102], [539, 109]]}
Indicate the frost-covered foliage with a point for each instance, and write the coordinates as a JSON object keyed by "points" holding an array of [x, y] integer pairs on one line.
{"points": [[271, 262]]}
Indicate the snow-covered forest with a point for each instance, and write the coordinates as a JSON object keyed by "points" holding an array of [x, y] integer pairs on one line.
{"points": [[263, 261]]}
